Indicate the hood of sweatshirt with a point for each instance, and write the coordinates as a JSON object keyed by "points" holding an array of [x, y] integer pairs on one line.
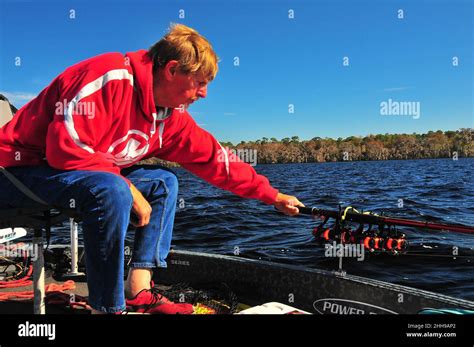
{"points": [[142, 68]]}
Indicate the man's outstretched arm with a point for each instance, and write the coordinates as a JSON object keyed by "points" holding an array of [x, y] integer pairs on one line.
{"points": [[199, 152]]}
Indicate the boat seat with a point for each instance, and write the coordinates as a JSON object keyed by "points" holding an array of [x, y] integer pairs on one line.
{"points": [[39, 219], [34, 218]]}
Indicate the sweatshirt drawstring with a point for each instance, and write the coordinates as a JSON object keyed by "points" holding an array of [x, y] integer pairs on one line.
{"points": [[161, 116], [160, 133], [153, 130]]}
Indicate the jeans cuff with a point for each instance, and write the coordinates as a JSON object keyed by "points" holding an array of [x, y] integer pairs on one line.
{"points": [[114, 309]]}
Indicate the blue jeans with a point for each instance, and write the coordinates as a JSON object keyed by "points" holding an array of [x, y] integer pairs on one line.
{"points": [[104, 201]]}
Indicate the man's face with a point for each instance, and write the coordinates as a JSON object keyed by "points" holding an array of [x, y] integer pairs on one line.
{"points": [[177, 89]]}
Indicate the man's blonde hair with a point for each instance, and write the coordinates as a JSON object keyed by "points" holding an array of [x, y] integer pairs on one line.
{"points": [[184, 44]]}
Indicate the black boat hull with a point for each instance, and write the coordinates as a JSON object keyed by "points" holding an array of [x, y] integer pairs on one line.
{"points": [[317, 291]]}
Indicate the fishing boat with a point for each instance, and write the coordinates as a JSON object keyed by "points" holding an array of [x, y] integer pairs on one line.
{"points": [[256, 282], [235, 284]]}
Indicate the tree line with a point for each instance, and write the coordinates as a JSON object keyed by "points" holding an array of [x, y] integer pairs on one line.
{"points": [[434, 144]]}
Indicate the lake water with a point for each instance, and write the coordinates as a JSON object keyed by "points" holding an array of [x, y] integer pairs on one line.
{"points": [[215, 221]]}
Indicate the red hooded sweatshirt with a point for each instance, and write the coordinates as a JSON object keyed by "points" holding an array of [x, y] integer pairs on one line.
{"points": [[100, 115]]}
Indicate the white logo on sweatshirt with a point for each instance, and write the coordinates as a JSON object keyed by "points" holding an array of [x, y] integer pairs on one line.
{"points": [[133, 146]]}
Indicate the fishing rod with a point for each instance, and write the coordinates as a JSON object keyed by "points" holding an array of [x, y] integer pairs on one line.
{"points": [[384, 238], [350, 214]]}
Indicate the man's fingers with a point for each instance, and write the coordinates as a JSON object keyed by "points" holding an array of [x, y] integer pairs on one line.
{"points": [[145, 221], [291, 210], [288, 204], [294, 209], [298, 203], [140, 221]]}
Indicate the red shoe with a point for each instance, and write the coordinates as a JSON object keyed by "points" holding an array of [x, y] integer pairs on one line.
{"points": [[152, 302]]}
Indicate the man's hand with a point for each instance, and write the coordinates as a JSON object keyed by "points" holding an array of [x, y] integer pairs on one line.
{"points": [[141, 208], [287, 204]]}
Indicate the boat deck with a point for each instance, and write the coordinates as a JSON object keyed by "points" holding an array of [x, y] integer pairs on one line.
{"points": [[25, 306], [228, 281]]}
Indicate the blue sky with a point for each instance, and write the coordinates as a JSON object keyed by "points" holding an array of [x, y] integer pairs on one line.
{"points": [[283, 61]]}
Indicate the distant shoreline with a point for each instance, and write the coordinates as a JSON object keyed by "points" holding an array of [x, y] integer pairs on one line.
{"points": [[432, 145], [157, 161]]}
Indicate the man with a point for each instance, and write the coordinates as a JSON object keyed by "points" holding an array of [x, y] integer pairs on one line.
{"points": [[76, 143]]}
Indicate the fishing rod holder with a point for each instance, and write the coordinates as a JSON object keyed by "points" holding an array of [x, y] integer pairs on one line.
{"points": [[384, 238]]}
